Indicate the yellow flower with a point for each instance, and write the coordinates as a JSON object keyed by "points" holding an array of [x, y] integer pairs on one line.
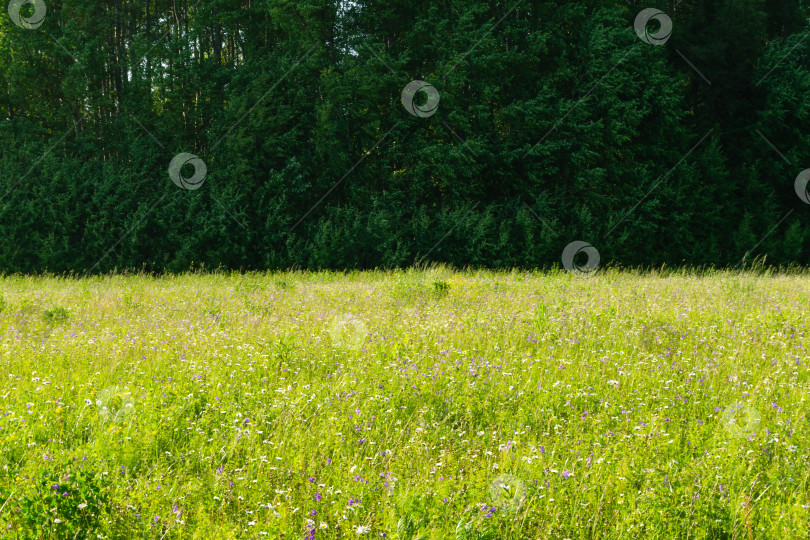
{"points": [[58, 410]]}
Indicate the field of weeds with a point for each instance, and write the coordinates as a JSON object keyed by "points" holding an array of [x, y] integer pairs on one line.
{"points": [[417, 404]]}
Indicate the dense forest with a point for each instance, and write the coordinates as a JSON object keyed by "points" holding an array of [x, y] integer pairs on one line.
{"points": [[246, 134]]}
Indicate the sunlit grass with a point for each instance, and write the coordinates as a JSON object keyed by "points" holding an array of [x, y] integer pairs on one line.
{"points": [[425, 403]]}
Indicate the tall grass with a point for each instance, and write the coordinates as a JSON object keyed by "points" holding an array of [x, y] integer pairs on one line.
{"points": [[406, 404]]}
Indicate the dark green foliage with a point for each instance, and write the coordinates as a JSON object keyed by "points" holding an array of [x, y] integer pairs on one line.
{"points": [[65, 503], [57, 314], [556, 123], [440, 288]]}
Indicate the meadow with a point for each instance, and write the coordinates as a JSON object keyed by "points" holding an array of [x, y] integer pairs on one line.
{"points": [[414, 404]]}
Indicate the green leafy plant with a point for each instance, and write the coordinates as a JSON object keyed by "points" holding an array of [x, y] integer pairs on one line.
{"points": [[440, 288], [63, 503], [57, 314]]}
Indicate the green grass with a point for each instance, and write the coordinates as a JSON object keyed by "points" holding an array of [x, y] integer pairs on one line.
{"points": [[433, 404]]}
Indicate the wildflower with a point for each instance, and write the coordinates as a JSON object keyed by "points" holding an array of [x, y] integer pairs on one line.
{"points": [[362, 529], [82, 506]]}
